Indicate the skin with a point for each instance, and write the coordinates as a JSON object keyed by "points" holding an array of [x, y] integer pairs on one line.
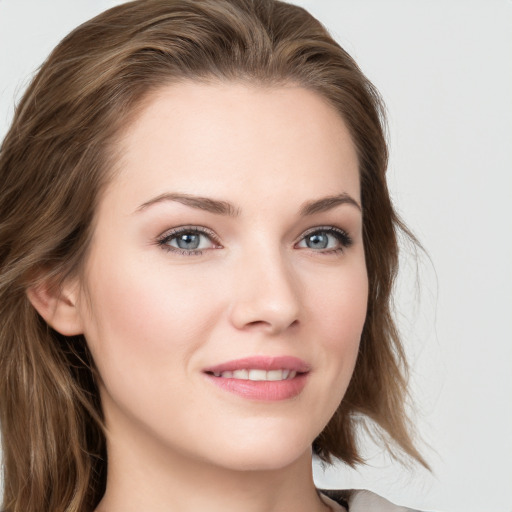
{"points": [[155, 318]]}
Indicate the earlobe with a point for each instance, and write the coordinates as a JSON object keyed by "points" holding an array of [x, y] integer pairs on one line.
{"points": [[58, 306]]}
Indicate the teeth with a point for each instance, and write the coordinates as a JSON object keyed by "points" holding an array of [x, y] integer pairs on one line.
{"points": [[274, 375], [258, 375], [241, 374]]}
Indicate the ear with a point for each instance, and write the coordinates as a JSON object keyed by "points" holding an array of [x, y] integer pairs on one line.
{"points": [[58, 306]]}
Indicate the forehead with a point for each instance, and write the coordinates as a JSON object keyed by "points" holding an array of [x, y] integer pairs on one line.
{"points": [[225, 138]]}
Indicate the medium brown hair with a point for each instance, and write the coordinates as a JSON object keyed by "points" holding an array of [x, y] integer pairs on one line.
{"points": [[59, 155]]}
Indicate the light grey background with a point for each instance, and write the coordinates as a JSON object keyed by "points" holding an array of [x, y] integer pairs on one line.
{"points": [[444, 68]]}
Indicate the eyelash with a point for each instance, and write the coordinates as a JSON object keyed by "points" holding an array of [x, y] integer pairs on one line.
{"points": [[341, 236]]}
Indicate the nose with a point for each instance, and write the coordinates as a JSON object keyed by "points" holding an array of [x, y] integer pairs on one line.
{"points": [[265, 294]]}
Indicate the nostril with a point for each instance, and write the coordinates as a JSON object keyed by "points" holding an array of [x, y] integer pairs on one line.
{"points": [[257, 323], [274, 325]]}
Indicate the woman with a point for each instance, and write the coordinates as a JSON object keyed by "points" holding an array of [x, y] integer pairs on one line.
{"points": [[197, 254]]}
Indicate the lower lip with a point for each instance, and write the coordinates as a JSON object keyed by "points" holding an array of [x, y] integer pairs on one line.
{"points": [[262, 390]]}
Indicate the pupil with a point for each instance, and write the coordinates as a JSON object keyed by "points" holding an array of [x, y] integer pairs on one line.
{"points": [[317, 241], [188, 241]]}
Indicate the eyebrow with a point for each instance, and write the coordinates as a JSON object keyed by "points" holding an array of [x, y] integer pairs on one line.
{"points": [[202, 203], [327, 203], [226, 208]]}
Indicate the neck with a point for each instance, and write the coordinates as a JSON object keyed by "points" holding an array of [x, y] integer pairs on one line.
{"points": [[143, 476]]}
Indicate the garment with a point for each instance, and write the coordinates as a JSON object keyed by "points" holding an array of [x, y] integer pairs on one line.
{"points": [[359, 501]]}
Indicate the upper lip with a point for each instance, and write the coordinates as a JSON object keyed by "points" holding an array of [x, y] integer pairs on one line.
{"points": [[267, 363]]}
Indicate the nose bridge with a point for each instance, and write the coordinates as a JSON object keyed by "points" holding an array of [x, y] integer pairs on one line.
{"points": [[265, 292]]}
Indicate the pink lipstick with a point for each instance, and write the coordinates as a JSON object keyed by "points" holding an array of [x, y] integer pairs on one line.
{"points": [[262, 378]]}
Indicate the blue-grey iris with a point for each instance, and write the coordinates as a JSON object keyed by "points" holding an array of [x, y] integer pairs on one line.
{"points": [[188, 241], [317, 241]]}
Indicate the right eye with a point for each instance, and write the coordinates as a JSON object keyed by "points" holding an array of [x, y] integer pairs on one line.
{"points": [[188, 241]]}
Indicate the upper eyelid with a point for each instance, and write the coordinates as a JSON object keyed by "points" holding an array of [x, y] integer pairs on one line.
{"points": [[170, 233], [316, 229]]}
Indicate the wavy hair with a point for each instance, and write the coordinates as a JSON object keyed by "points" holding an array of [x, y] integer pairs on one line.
{"points": [[57, 158]]}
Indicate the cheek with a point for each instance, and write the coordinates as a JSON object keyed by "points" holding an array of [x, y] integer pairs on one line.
{"points": [[339, 311], [145, 325], [340, 304], [144, 317]]}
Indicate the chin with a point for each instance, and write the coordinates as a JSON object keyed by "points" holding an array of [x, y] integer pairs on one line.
{"points": [[270, 461], [262, 453]]}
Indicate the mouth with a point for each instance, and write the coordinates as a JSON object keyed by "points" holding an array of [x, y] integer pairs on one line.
{"points": [[261, 378], [255, 375]]}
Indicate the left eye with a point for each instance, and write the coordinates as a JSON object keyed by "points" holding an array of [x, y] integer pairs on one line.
{"points": [[325, 240]]}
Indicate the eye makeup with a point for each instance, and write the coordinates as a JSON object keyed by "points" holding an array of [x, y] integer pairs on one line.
{"points": [[177, 239], [194, 240], [325, 239]]}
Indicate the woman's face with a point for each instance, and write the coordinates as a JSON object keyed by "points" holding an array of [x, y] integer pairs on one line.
{"points": [[226, 280]]}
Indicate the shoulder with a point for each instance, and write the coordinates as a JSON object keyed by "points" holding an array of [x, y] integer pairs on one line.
{"points": [[364, 501]]}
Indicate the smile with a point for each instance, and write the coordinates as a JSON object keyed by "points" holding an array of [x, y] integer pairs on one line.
{"points": [[261, 378], [257, 375]]}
